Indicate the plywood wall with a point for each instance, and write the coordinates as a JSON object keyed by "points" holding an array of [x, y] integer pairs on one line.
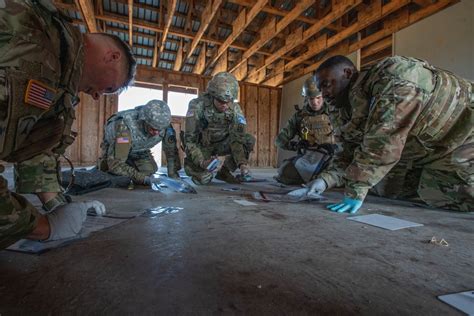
{"points": [[261, 106], [91, 116]]}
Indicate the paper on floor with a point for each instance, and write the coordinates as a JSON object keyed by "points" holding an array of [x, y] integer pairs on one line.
{"points": [[383, 221], [245, 202], [463, 301], [92, 224]]}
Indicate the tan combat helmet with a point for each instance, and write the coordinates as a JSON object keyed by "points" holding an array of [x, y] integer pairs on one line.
{"points": [[223, 86], [310, 89], [156, 114]]}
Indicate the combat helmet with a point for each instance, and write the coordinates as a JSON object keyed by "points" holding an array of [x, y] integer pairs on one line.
{"points": [[310, 89], [223, 86], [156, 114]]}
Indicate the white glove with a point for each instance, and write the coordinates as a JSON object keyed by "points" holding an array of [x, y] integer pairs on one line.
{"points": [[66, 220], [317, 186]]}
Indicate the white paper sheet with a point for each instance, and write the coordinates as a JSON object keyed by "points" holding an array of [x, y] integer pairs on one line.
{"points": [[245, 202], [382, 221], [463, 301]]}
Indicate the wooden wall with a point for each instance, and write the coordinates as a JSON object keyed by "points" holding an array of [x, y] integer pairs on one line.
{"points": [[91, 116], [261, 106]]}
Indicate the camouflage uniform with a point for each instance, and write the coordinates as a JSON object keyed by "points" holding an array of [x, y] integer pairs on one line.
{"points": [[315, 128], [127, 143], [411, 132], [41, 59], [209, 132]]}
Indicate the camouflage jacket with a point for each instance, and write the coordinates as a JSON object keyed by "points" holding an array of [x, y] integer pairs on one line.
{"points": [[205, 127], [41, 59], [401, 109], [316, 127], [125, 138]]}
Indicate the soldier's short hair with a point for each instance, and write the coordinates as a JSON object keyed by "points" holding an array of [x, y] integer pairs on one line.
{"points": [[129, 58], [334, 61]]}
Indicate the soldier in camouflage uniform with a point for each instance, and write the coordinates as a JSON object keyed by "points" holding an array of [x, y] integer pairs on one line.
{"points": [[44, 63], [316, 139], [128, 137], [410, 134], [216, 126]]}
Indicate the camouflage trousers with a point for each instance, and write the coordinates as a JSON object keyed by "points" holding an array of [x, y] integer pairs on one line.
{"points": [[444, 183], [143, 162], [18, 217], [201, 175]]}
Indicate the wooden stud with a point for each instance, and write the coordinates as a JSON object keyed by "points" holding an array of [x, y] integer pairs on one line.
{"points": [[130, 22], [87, 10], [170, 10]]}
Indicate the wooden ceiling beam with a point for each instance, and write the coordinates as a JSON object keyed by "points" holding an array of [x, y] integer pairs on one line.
{"points": [[87, 10], [207, 15], [295, 39], [201, 60], [130, 22], [169, 19], [117, 18], [376, 47], [238, 26], [179, 57], [274, 11], [272, 28]]}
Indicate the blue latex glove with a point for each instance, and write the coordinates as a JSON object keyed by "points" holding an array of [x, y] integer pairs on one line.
{"points": [[347, 205]]}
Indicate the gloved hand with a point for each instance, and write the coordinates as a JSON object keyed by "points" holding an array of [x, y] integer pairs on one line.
{"points": [[244, 170], [66, 220], [317, 186], [347, 205]]}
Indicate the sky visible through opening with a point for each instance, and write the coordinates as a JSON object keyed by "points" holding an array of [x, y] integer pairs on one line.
{"points": [[135, 96]]}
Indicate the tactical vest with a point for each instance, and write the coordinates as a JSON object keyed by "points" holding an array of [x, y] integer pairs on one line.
{"points": [[217, 124], [316, 129], [34, 123], [141, 139], [451, 98]]}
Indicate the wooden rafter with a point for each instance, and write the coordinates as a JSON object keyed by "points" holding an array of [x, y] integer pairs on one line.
{"points": [[130, 22], [299, 37], [398, 20], [238, 26], [273, 28], [179, 57], [207, 15], [169, 18], [201, 61], [87, 10]]}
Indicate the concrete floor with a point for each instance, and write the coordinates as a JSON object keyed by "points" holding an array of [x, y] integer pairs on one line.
{"points": [[216, 256]]}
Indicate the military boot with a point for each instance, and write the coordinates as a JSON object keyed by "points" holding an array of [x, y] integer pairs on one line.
{"points": [[225, 175]]}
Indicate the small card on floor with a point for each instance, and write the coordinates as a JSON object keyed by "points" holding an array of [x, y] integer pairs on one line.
{"points": [[463, 301], [382, 221], [245, 202]]}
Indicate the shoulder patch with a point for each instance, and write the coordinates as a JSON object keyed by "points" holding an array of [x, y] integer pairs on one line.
{"points": [[39, 94], [241, 119]]}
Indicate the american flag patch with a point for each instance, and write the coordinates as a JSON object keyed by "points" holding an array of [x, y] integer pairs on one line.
{"points": [[40, 95], [123, 140]]}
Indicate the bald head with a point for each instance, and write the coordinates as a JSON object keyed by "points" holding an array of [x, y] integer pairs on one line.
{"points": [[333, 77]]}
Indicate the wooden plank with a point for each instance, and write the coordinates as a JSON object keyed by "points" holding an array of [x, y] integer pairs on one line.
{"points": [[273, 10], [376, 47], [271, 30], [208, 14], [241, 72], [130, 22], [170, 10], [263, 144], [179, 57], [87, 10], [274, 124], [251, 115], [316, 46], [201, 60], [238, 26], [89, 130], [221, 65], [339, 10]]}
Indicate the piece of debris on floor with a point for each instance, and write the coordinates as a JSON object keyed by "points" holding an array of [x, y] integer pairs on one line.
{"points": [[441, 242], [386, 222], [161, 211], [245, 203]]}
